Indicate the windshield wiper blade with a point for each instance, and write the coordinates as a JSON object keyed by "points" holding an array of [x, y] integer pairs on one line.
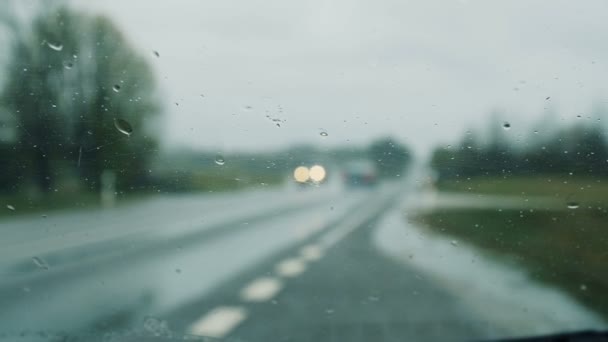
{"points": [[580, 336]]}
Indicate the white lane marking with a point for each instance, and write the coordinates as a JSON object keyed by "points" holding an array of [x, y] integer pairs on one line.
{"points": [[311, 252], [332, 237], [303, 231], [261, 289], [290, 268], [219, 322]]}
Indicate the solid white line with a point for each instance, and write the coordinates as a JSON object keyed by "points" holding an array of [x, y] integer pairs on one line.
{"points": [[311, 252], [332, 237], [261, 289], [291, 267], [219, 322]]}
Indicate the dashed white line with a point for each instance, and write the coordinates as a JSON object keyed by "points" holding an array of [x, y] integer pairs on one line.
{"points": [[219, 322], [311, 252], [261, 289], [222, 320], [290, 268], [304, 231], [342, 230]]}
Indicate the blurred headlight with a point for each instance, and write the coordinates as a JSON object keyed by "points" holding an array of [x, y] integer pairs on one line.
{"points": [[317, 173], [301, 174]]}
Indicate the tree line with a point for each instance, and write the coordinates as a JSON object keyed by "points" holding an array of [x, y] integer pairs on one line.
{"points": [[76, 101], [579, 149]]}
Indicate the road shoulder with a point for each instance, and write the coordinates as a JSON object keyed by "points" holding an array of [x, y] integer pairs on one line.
{"points": [[501, 294]]}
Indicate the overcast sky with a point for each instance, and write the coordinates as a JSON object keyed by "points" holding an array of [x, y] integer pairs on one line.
{"points": [[422, 71]]}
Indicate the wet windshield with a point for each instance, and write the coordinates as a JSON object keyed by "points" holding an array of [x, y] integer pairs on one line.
{"points": [[302, 171]]}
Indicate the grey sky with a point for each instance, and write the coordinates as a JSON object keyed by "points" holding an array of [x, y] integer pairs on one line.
{"points": [[422, 71]]}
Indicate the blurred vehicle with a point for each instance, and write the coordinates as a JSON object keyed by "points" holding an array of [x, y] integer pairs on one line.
{"points": [[360, 173]]}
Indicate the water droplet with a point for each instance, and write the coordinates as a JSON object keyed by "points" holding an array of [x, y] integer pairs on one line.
{"points": [[219, 159], [248, 108], [178, 270], [56, 47], [10, 207], [44, 216], [329, 311], [123, 127], [506, 126], [583, 287], [374, 298], [547, 98], [68, 65], [40, 263], [573, 205], [454, 243], [116, 88], [156, 53], [323, 134], [535, 132]]}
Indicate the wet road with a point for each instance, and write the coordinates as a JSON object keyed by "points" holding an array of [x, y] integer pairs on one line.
{"points": [[320, 264]]}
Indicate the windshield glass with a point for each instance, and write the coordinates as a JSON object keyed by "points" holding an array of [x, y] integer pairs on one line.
{"points": [[302, 171]]}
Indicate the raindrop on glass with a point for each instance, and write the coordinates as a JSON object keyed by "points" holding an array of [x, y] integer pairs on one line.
{"points": [[40, 263], [219, 159], [156, 53], [454, 243], [178, 270], [506, 126], [573, 205], [68, 65], [56, 47], [116, 88], [123, 127], [583, 287], [323, 134], [10, 207]]}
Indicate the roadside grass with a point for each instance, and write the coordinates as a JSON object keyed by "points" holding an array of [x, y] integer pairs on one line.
{"points": [[42, 204], [567, 248], [231, 180], [18, 204], [588, 192]]}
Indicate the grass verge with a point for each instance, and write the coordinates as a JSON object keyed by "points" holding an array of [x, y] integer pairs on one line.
{"points": [[567, 248]]}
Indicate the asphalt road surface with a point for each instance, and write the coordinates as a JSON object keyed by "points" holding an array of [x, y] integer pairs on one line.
{"points": [[316, 264]]}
